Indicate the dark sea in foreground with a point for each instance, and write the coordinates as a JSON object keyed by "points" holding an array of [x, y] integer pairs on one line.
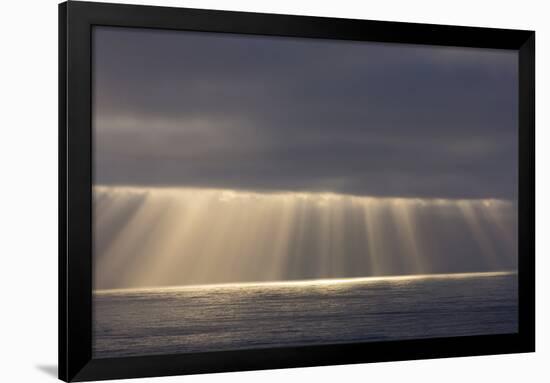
{"points": [[223, 317]]}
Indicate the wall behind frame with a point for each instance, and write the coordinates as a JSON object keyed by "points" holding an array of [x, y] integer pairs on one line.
{"points": [[28, 202]]}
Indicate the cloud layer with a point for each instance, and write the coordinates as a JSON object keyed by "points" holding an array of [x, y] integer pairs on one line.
{"points": [[271, 113]]}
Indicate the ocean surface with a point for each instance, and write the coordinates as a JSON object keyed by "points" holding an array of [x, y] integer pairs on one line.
{"points": [[248, 316]]}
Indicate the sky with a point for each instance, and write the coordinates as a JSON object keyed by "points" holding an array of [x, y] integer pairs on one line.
{"points": [[278, 113], [222, 158]]}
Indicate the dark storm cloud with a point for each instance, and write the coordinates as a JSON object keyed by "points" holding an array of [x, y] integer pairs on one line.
{"points": [[266, 113]]}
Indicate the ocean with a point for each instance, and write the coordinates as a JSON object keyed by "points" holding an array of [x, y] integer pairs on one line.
{"points": [[260, 315]]}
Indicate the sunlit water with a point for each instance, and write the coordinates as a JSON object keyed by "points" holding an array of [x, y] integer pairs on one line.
{"points": [[248, 316]]}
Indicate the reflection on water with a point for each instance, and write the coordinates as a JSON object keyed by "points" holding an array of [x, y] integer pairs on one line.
{"points": [[256, 315]]}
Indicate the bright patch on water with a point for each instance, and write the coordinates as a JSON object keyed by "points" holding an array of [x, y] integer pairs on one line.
{"points": [[258, 315]]}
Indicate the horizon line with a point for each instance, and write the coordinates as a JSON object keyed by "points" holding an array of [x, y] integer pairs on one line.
{"points": [[305, 282]]}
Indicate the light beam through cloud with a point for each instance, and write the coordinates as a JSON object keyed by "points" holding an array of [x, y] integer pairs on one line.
{"points": [[185, 236]]}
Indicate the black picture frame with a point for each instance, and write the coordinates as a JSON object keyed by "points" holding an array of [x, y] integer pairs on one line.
{"points": [[76, 20]]}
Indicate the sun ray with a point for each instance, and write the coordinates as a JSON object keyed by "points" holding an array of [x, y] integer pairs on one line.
{"points": [[177, 236]]}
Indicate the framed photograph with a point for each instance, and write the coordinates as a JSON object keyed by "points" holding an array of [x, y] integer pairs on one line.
{"points": [[246, 191]]}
